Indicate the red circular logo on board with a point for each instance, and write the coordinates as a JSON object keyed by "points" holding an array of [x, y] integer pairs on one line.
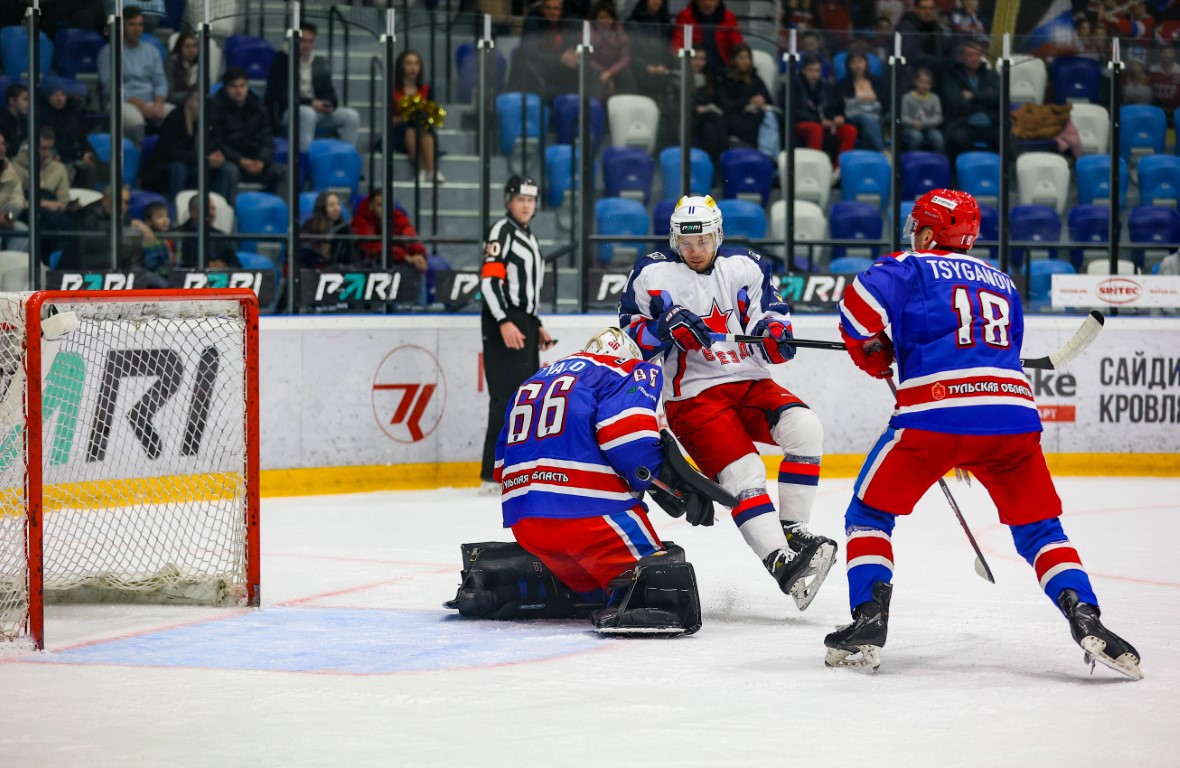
{"points": [[409, 394], [1119, 290]]}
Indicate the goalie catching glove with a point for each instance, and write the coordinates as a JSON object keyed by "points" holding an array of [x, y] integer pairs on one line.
{"points": [[682, 491], [874, 356], [775, 348]]}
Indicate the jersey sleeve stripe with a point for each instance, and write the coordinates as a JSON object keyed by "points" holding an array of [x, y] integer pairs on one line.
{"points": [[630, 437], [626, 414], [862, 310]]}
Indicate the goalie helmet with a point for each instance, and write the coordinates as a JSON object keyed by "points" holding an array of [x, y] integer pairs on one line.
{"points": [[953, 215], [613, 342], [695, 215]]}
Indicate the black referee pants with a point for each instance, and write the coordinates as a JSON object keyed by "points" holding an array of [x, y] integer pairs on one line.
{"points": [[505, 369]]}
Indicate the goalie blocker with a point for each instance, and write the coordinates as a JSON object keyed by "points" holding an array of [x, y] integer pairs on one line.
{"points": [[503, 581]]}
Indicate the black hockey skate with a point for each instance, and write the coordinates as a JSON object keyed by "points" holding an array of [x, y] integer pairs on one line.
{"points": [[801, 568], [858, 645], [1099, 643]]}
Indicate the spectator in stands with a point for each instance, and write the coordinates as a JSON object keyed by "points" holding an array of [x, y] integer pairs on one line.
{"points": [[652, 62], [819, 113], [811, 43], [965, 19], [241, 133], [14, 118], [546, 61], [57, 209], [12, 203], [797, 15], [1164, 76], [865, 101], [91, 249], [611, 57], [971, 93], [714, 28], [220, 253], [173, 166], [319, 109], [708, 122], [1132, 22], [367, 223], [882, 40], [1136, 87], [181, 69], [63, 115], [323, 246], [145, 87], [414, 136], [921, 114], [157, 257], [744, 98], [924, 43], [153, 12]]}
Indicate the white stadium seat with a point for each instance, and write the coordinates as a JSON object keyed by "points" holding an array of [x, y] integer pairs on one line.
{"points": [[1028, 80], [1043, 178], [810, 225], [813, 175], [634, 121], [223, 214], [1093, 124]]}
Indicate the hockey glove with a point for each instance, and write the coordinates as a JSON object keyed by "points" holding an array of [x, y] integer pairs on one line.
{"points": [[873, 356], [676, 325], [774, 349]]}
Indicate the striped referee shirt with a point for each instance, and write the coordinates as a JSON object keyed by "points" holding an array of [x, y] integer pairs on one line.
{"points": [[512, 270]]}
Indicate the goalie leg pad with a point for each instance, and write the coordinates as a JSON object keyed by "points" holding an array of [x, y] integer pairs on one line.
{"points": [[658, 598], [503, 580]]}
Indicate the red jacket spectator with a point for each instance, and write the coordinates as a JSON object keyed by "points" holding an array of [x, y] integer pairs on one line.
{"points": [[368, 222], [721, 23]]}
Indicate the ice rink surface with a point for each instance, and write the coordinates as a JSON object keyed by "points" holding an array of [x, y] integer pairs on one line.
{"points": [[352, 661]]}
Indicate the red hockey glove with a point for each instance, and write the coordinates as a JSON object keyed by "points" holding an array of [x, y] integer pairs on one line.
{"points": [[773, 348], [873, 356], [681, 327]]}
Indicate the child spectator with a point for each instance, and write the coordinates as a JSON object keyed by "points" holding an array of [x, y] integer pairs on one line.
{"points": [[322, 246], [921, 114], [1136, 88], [181, 69], [865, 97], [157, 257], [415, 137]]}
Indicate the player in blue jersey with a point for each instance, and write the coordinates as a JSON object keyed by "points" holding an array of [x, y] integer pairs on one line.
{"points": [[579, 447], [962, 401], [720, 397]]}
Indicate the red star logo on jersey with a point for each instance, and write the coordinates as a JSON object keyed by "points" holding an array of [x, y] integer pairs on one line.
{"points": [[717, 320]]}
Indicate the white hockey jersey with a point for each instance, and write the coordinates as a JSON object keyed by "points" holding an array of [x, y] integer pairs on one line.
{"points": [[731, 297]]}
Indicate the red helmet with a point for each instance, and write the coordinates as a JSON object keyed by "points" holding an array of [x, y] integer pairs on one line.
{"points": [[953, 215]]}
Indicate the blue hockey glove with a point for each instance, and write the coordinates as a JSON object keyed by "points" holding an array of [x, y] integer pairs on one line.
{"points": [[773, 348], [676, 325]]}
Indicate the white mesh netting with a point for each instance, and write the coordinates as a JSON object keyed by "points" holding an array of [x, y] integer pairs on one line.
{"points": [[143, 466]]}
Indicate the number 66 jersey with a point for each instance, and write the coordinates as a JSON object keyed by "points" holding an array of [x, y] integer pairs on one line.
{"points": [[957, 328], [574, 435]]}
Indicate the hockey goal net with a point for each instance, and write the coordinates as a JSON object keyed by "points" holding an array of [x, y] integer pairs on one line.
{"points": [[128, 451]]}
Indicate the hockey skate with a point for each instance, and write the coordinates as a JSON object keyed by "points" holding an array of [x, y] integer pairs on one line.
{"points": [[801, 568], [1099, 643], [858, 645]]}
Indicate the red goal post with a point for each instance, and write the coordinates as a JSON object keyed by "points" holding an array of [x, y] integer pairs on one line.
{"points": [[128, 451]]}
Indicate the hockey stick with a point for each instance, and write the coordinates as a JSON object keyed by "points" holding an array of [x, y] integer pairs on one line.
{"points": [[808, 343], [1072, 348], [981, 566]]}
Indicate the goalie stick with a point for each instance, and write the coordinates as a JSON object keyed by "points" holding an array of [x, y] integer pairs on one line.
{"points": [[1056, 361]]}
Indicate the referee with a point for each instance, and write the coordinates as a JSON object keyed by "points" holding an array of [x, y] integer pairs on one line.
{"points": [[512, 332]]}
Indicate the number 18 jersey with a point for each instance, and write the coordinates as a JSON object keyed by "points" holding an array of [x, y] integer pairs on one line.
{"points": [[957, 325], [574, 435]]}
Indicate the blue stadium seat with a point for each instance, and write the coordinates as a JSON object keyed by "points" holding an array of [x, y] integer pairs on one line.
{"points": [[259, 213], [700, 172], [148, 149], [173, 14], [746, 173], [1087, 224], [283, 156], [865, 176], [839, 65], [989, 227], [628, 170], [661, 218], [252, 54], [1038, 223], [101, 142], [979, 174], [1143, 128], [1155, 224], [743, 219], [620, 216], [307, 205], [560, 176], [849, 265], [257, 262], [1041, 273], [141, 198], [922, 172], [77, 51], [14, 51], [1159, 180], [1075, 79], [1093, 172], [468, 65], [852, 220], [508, 113], [334, 165], [565, 119]]}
